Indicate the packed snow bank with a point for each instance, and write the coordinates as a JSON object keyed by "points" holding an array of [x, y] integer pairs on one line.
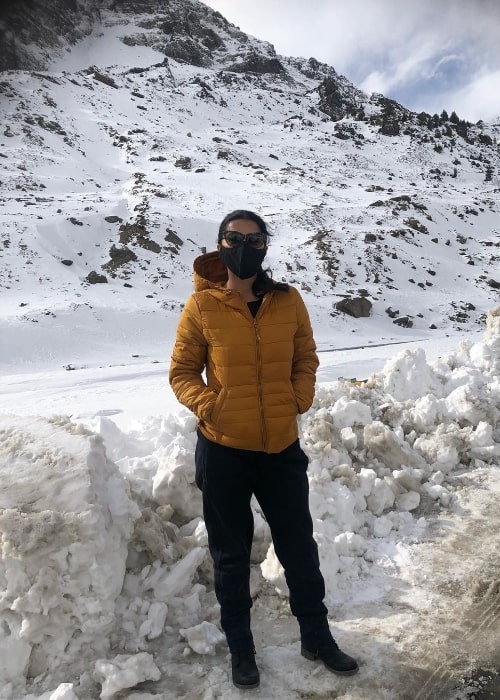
{"points": [[383, 456], [65, 520], [381, 453]]}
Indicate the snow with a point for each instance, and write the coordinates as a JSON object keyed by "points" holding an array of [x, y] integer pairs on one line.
{"points": [[125, 672], [104, 547], [66, 520]]}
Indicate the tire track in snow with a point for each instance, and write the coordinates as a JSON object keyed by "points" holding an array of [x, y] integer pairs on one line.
{"points": [[438, 684], [466, 627]]}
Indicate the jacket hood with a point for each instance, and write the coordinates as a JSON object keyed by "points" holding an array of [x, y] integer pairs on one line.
{"points": [[209, 271]]}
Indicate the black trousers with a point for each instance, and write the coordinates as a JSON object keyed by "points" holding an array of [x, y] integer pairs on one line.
{"points": [[227, 478]]}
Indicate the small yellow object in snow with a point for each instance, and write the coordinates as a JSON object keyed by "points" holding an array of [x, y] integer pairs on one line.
{"points": [[353, 380]]}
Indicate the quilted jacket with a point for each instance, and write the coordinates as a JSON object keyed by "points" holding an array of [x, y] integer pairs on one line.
{"points": [[245, 378]]}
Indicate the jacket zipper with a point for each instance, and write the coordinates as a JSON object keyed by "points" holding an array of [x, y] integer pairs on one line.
{"points": [[259, 383], [259, 368]]}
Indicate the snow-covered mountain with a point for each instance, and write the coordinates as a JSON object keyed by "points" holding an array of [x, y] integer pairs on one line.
{"points": [[135, 126]]}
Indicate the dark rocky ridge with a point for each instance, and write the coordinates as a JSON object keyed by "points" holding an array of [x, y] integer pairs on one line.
{"points": [[30, 30]]}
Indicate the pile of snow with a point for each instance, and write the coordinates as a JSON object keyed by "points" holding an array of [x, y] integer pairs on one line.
{"points": [[65, 520], [382, 456]]}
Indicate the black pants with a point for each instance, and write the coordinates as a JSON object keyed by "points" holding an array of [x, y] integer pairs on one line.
{"points": [[227, 478]]}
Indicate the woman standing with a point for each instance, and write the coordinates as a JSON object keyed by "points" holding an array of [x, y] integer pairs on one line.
{"points": [[253, 339]]}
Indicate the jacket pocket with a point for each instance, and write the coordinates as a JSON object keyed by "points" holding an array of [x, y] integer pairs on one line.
{"points": [[294, 397], [218, 406]]}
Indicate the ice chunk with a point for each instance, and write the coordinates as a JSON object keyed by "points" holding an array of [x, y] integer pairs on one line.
{"points": [[203, 638], [124, 672]]}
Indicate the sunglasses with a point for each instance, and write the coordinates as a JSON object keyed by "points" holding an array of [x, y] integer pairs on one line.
{"points": [[235, 238]]}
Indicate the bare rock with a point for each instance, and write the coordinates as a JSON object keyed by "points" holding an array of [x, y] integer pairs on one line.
{"points": [[95, 278], [183, 162], [138, 234], [404, 321], [359, 307]]}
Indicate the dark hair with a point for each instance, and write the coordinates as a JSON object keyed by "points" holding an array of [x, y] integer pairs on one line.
{"points": [[263, 282]]}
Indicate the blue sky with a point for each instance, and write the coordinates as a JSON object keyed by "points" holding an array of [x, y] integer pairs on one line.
{"points": [[428, 54]]}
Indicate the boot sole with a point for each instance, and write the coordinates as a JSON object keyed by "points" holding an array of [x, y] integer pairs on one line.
{"points": [[312, 657], [248, 686]]}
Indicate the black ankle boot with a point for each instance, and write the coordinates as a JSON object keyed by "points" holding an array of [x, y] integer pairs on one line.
{"points": [[244, 669], [334, 659]]}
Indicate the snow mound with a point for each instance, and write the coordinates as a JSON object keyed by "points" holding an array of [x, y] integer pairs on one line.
{"points": [[65, 521]]}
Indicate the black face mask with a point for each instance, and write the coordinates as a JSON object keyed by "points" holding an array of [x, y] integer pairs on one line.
{"points": [[243, 260]]}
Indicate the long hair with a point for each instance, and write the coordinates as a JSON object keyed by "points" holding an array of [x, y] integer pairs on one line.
{"points": [[263, 282]]}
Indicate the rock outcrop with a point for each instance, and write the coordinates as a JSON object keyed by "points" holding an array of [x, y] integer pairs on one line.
{"points": [[31, 31]]}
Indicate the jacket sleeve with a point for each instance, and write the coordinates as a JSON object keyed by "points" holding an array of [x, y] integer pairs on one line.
{"points": [[305, 360], [188, 361]]}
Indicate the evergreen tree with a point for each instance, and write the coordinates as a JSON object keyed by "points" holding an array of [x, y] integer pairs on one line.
{"points": [[422, 118], [462, 129]]}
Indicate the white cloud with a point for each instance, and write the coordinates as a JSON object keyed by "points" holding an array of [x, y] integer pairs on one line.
{"points": [[479, 99]]}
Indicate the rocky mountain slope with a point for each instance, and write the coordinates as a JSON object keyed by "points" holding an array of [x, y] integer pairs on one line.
{"points": [[31, 32], [131, 128]]}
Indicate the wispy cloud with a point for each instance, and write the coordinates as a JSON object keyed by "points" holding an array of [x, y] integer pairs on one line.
{"points": [[420, 53], [478, 99]]}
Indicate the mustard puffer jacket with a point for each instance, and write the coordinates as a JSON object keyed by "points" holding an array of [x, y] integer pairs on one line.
{"points": [[260, 372]]}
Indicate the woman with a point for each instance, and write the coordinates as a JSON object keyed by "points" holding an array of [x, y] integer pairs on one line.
{"points": [[252, 336]]}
